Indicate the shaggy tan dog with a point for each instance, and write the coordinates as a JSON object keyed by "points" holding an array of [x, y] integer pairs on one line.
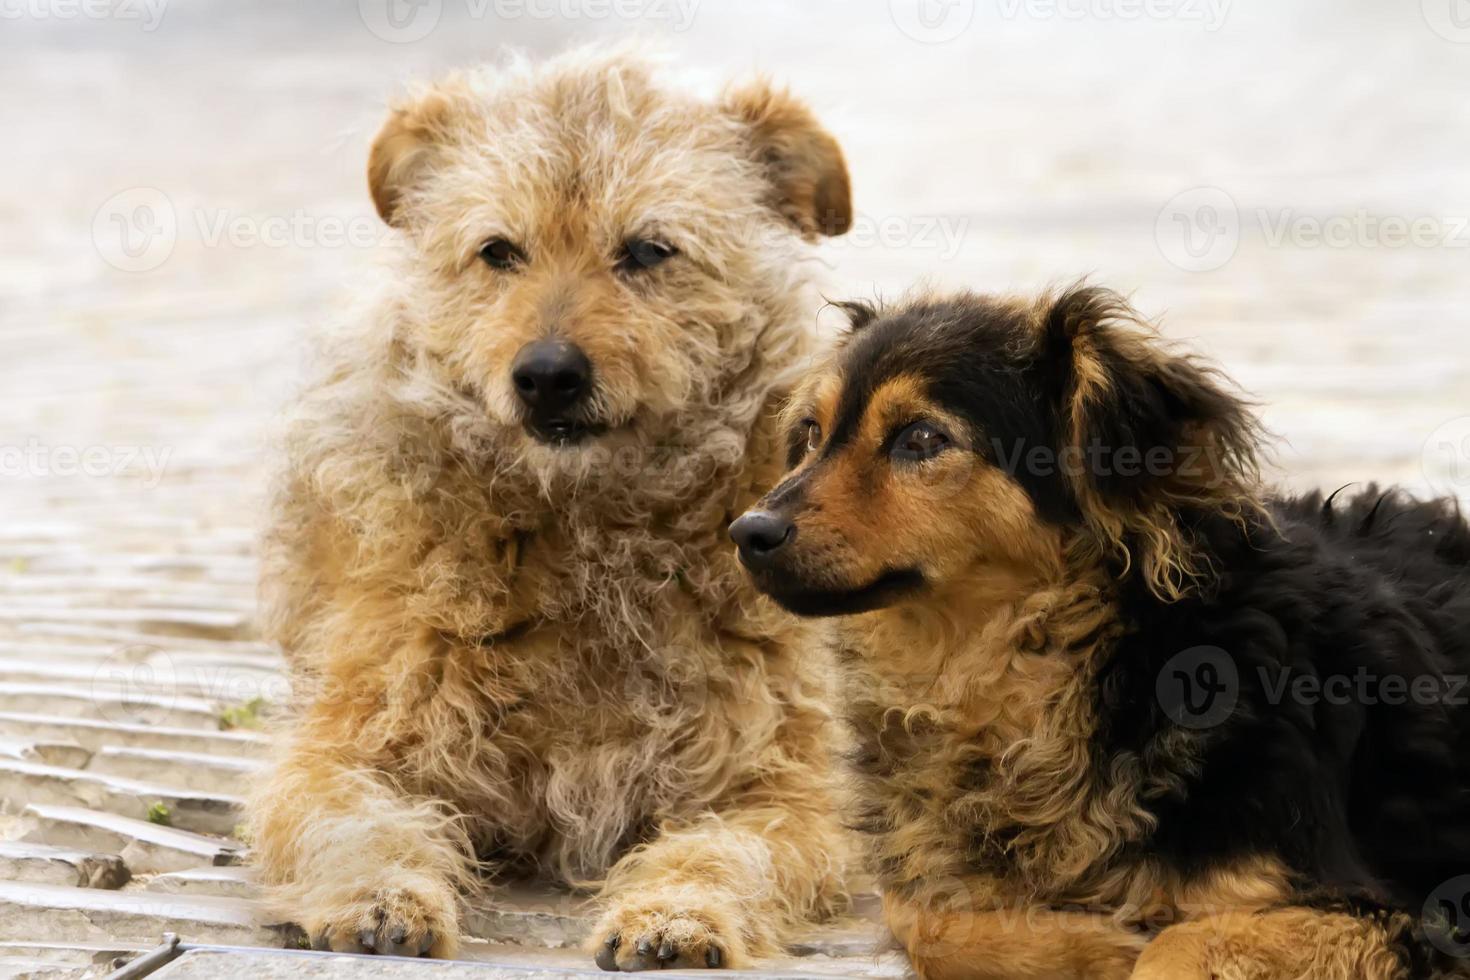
{"points": [[498, 558]]}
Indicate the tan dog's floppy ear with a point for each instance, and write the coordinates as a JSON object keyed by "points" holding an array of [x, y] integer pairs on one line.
{"points": [[405, 147], [807, 171], [1157, 441]]}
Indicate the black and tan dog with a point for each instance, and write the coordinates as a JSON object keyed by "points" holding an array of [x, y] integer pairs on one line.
{"points": [[1120, 712]]}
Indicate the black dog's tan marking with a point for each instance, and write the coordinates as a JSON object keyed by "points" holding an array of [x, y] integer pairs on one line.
{"points": [[1025, 513]]}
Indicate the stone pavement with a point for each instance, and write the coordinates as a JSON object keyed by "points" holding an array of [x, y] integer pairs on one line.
{"points": [[1285, 181]]}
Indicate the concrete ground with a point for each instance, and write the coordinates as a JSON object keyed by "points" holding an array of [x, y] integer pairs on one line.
{"points": [[182, 203]]}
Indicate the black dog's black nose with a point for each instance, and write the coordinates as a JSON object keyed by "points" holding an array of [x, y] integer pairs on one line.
{"points": [[551, 375], [759, 534]]}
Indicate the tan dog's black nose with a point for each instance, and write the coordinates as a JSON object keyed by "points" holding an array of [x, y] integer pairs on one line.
{"points": [[551, 376], [760, 534]]}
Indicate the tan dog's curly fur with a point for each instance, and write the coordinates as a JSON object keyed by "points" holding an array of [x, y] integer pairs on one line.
{"points": [[514, 656]]}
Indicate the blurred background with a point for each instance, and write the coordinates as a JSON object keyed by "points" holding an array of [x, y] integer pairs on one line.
{"points": [[1283, 181], [182, 204]]}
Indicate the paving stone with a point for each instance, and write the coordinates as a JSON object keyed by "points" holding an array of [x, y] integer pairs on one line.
{"points": [[95, 915], [115, 638], [56, 753], [44, 864], [23, 968], [233, 881], [181, 622], [94, 735], [146, 848], [24, 650], [75, 954], [105, 704], [201, 771], [530, 916], [886, 964], [158, 675], [210, 660], [208, 813], [504, 964], [72, 584]]}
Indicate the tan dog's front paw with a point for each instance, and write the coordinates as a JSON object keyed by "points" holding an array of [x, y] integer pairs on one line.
{"points": [[667, 933], [390, 922]]}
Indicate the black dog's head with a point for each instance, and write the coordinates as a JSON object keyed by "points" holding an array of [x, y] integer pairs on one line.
{"points": [[982, 432]]}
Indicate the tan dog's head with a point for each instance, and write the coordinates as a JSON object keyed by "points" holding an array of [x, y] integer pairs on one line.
{"points": [[956, 437], [593, 257]]}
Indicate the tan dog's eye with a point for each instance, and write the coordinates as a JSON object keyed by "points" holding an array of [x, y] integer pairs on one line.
{"points": [[640, 253], [813, 434], [921, 440], [501, 254]]}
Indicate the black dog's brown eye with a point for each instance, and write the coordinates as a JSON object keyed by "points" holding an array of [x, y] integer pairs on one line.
{"points": [[813, 434], [501, 254], [640, 253], [921, 440]]}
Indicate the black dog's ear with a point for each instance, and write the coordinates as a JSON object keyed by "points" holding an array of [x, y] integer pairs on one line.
{"points": [[859, 313], [1155, 439]]}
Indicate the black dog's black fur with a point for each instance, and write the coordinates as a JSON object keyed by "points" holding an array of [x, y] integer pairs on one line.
{"points": [[1362, 785]]}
